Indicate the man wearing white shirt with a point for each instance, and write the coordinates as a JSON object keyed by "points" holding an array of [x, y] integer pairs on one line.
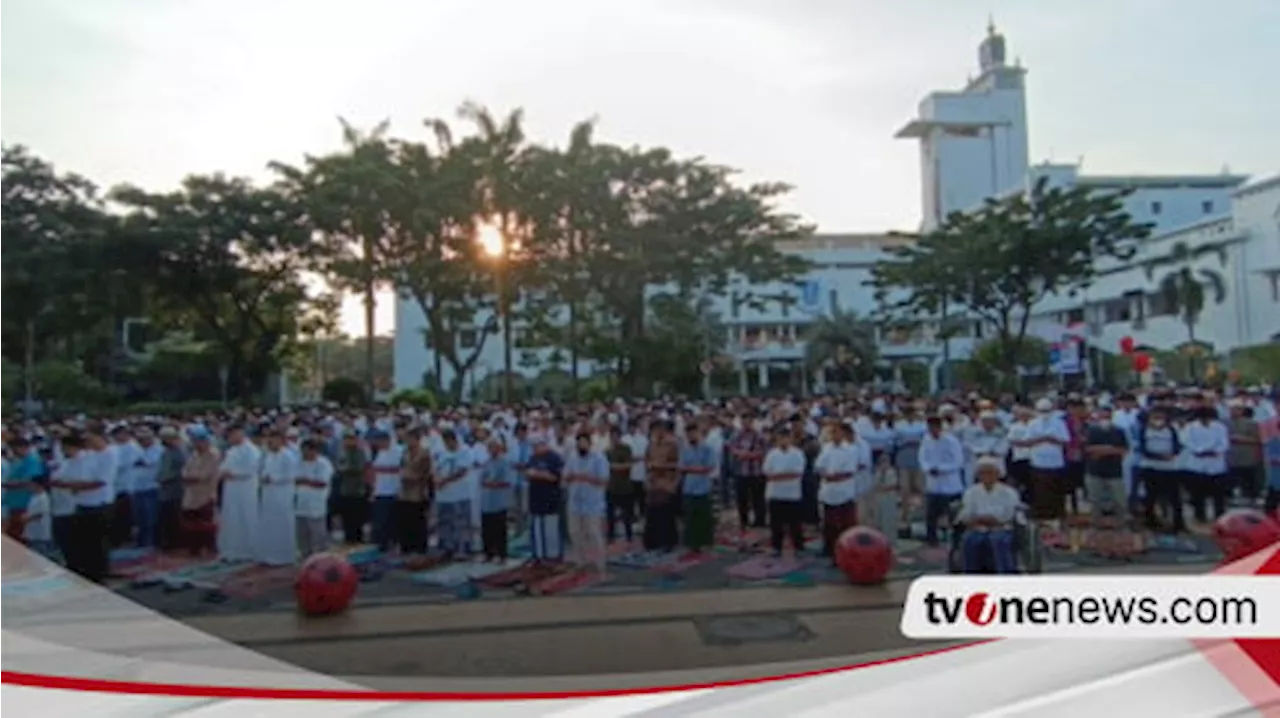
{"points": [[1047, 437], [95, 496], [638, 440], [841, 467], [127, 461], [238, 517], [453, 496], [942, 461], [987, 510], [386, 465], [62, 500], [277, 531], [1206, 441], [315, 475], [783, 473]]}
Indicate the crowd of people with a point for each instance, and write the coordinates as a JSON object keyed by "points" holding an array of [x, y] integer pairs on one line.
{"points": [[275, 486]]}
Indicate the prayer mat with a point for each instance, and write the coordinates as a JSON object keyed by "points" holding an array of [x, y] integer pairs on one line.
{"points": [[685, 561], [732, 539], [457, 574], [763, 567], [201, 575], [131, 555], [256, 581], [359, 555], [150, 572], [564, 581], [643, 559], [514, 576]]}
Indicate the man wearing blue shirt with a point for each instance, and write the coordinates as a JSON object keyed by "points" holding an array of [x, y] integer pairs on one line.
{"points": [[697, 461], [544, 472], [26, 468]]}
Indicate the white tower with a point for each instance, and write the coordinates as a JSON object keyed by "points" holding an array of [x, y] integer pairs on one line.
{"points": [[973, 143]]}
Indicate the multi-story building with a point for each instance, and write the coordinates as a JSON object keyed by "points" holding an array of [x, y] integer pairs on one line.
{"points": [[973, 145]]}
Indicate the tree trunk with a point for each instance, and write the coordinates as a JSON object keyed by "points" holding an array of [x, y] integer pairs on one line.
{"points": [[573, 350], [29, 363], [370, 384], [1191, 350]]}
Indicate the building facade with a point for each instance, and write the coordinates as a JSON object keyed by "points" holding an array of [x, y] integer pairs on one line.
{"points": [[974, 145]]}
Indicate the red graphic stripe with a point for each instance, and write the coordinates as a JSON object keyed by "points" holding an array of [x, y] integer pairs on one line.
{"points": [[171, 690], [1251, 665]]}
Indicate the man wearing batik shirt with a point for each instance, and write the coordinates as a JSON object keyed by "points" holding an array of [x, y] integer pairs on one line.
{"points": [[747, 450], [1073, 452]]}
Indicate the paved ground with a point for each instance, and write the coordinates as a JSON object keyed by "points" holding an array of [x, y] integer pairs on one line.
{"points": [[604, 640]]}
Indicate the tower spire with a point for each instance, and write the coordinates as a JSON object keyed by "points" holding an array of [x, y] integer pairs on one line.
{"points": [[991, 24]]}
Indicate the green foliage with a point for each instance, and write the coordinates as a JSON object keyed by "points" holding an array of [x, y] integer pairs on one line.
{"points": [[915, 377], [1257, 364], [345, 391], [421, 399], [995, 264], [11, 375], [845, 345], [588, 230], [174, 408], [66, 384], [988, 367], [599, 388]]}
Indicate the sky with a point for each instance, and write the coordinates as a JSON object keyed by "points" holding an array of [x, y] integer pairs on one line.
{"points": [[808, 92]]}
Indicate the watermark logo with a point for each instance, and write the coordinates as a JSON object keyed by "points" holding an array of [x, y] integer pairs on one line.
{"points": [[1141, 607]]}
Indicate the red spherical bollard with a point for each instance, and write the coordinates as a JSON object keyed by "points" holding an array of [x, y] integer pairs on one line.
{"points": [[1243, 532], [864, 555], [326, 585]]}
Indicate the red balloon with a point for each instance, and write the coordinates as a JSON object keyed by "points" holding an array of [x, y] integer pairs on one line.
{"points": [[864, 555], [1126, 345], [1243, 532], [325, 585], [1141, 362]]}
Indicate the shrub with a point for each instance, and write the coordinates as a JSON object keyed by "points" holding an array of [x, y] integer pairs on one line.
{"points": [[422, 399], [345, 391]]}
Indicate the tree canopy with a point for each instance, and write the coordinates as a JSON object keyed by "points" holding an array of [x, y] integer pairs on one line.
{"points": [[995, 264], [605, 252]]}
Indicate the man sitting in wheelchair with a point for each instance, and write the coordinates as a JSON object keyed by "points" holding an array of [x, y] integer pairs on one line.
{"points": [[988, 510]]}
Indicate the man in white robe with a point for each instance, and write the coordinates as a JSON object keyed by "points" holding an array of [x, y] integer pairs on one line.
{"points": [[276, 535], [238, 516]]}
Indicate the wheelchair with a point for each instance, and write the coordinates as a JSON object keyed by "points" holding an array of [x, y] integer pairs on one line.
{"points": [[1028, 550]]}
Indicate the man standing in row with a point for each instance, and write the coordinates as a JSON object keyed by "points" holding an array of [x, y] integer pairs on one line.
{"points": [[238, 519]]}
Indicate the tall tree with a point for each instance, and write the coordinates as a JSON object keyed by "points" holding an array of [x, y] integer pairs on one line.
{"points": [[229, 261], [997, 263], [65, 287], [844, 344], [1186, 289], [659, 224]]}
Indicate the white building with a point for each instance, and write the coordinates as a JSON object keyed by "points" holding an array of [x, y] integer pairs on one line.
{"points": [[973, 146]]}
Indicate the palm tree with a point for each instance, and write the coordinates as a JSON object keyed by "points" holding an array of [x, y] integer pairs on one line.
{"points": [[842, 341], [499, 145], [1186, 290]]}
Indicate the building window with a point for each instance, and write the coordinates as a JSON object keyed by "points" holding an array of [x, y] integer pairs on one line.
{"points": [[467, 338], [834, 298], [1159, 305], [1117, 310], [1275, 286], [1156, 207], [1207, 206]]}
